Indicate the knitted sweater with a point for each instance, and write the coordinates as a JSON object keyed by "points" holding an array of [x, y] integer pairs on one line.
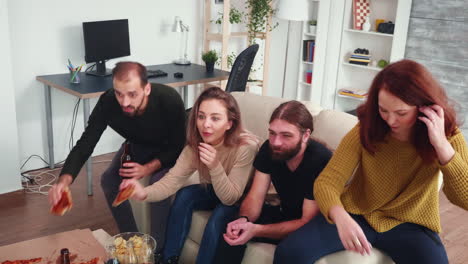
{"points": [[394, 185], [229, 178]]}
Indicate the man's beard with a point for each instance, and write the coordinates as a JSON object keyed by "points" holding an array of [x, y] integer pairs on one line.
{"points": [[135, 111], [286, 154]]}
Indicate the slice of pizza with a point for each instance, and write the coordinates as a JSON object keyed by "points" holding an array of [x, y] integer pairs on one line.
{"points": [[123, 195], [92, 261], [64, 205], [25, 261]]}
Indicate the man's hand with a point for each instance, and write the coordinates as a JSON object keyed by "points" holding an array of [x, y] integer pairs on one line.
{"points": [[134, 170], [55, 192], [234, 233], [139, 193], [246, 231]]}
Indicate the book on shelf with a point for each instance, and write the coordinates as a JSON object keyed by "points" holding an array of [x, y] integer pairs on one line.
{"points": [[308, 50], [356, 93], [359, 59]]}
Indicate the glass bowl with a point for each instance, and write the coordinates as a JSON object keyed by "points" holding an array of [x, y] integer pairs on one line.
{"points": [[131, 247]]}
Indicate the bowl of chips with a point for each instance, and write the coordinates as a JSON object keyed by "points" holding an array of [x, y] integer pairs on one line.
{"points": [[132, 247]]}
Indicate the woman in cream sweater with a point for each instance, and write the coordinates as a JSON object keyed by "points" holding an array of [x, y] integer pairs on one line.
{"points": [[222, 153], [407, 134]]}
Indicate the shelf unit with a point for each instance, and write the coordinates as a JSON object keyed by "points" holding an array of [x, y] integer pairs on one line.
{"points": [[372, 68], [225, 36], [390, 47], [320, 11]]}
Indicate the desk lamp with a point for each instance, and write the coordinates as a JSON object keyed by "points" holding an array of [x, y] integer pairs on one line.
{"points": [[179, 26], [296, 10]]}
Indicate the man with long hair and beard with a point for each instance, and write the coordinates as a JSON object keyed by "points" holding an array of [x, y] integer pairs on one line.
{"points": [[291, 160], [151, 117]]}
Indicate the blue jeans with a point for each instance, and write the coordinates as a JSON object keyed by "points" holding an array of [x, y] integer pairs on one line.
{"points": [[188, 199], [406, 243], [123, 215]]}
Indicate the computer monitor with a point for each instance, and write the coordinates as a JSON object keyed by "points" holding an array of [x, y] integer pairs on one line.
{"points": [[104, 40]]}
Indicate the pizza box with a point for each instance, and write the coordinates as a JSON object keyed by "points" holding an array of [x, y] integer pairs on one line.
{"points": [[82, 245]]}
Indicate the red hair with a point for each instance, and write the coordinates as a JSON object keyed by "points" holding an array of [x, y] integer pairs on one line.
{"points": [[413, 84]]}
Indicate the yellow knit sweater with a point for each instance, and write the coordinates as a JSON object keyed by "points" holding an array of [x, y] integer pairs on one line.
{"points": [[393, 186]]}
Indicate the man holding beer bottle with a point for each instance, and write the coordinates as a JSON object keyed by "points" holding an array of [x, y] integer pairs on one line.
{"points": [[151, 117]]}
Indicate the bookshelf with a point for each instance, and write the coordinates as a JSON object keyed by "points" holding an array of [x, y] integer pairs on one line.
{"points": [[319, 11], [390, 47]]}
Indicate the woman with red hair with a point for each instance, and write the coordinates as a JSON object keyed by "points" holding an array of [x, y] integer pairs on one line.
{"points": [[380, 189]]}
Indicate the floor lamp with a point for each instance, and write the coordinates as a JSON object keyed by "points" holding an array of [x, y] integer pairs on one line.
{"points": [[291, 10]]}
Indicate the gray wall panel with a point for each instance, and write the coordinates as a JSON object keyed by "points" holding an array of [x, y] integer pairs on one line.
{"points": [[456, 10], [438, 40]]}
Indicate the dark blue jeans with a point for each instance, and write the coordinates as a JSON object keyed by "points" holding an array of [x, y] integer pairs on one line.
{"points": [[123, 215], [189, 199], [406, 243]]}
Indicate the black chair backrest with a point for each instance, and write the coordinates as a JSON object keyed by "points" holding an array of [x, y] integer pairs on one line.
{"points": [[241, 69]]}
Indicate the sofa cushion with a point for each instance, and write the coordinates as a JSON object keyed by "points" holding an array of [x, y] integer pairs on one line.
{"points": [[259, 253], [349, 257], [199, 221]]}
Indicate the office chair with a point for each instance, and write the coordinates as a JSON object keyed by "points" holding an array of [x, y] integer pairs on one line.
{"points": [[239, 73], [241, 69]]}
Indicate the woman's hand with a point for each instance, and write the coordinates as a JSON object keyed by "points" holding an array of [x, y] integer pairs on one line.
{"points": [[208, 155], [351, 235], [139, 193], [435, 123]]}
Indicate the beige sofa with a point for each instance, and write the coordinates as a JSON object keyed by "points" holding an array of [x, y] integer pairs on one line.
{"points": [[329, 127]]}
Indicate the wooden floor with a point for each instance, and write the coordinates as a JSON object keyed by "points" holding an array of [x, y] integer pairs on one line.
{"points": [[25, 216]]}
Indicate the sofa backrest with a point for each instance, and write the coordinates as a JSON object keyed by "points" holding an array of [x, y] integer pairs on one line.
{"points": [[330, 126], [256, 111]]}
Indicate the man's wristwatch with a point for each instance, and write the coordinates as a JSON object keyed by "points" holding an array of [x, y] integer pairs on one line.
{"points": [[243, 216]]}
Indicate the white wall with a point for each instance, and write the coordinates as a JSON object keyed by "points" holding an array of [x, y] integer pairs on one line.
{"points": [[10, 179], [45, 33]]}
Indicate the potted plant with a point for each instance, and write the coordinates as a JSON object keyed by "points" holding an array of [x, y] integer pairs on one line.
{"points": [[210, 57], [235, 17], [312, 27]]}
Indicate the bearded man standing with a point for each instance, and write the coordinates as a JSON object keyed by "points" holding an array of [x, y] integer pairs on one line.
{"points": [[151, 117]]}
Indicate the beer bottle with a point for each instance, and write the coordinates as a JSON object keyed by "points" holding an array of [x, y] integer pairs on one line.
{"points": [[126, 156], [64, 256]]}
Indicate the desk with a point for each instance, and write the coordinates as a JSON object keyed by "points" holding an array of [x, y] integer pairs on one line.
{"points": [[92, 86]]}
